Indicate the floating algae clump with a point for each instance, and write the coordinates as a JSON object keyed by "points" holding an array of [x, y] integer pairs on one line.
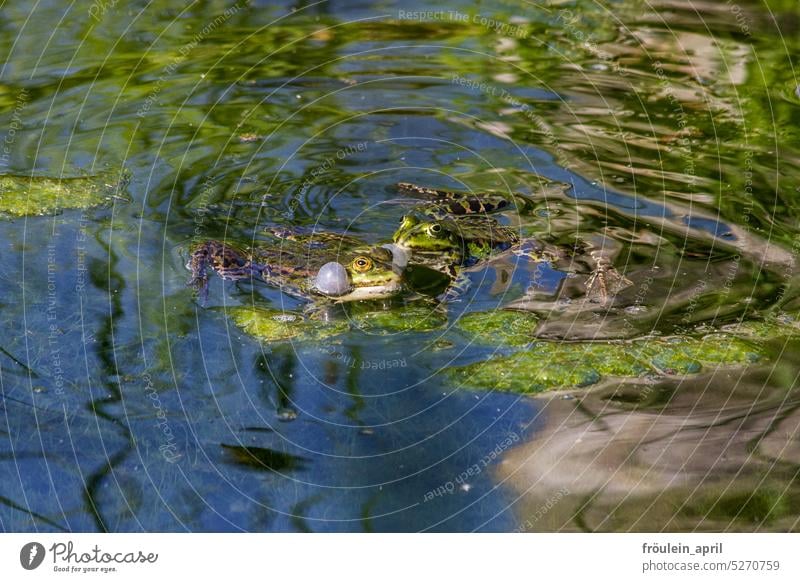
{"points": [[273, 325], [38, 196], [687, 355], [409, 319], [553, 366], [549, 366], [775, 327], [502, 327]]}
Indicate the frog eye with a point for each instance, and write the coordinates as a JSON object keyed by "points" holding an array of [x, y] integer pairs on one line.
{"points": [[435, 229], [362, 264]]}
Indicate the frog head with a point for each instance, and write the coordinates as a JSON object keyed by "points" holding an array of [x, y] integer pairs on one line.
{"points": [[368, 273], [426, 235]]}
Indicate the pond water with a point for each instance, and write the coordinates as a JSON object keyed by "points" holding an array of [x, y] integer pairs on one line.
{"points": [[666, 133]]}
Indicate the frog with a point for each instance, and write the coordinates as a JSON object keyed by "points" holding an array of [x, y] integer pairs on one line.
{"points": [[316, 266], [452, 246], [454, 231]]}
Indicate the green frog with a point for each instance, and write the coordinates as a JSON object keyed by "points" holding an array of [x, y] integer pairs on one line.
{"points": [[315, 266], [454, 231]]}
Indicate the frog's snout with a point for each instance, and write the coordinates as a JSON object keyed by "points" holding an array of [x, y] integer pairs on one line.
{"points": [[332, 279]]}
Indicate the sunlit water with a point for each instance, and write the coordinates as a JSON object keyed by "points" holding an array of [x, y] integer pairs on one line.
{"points": [[665, 133]]}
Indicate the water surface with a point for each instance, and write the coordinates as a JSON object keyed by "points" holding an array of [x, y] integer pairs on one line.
{"points": [[666, 131]]}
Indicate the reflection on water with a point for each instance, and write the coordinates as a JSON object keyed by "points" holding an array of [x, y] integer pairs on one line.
{"points": [[714, 453], [662, 136]]}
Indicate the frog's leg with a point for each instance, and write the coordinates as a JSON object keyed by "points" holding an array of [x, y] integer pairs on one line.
{"points": [[444, 202], [537, 251], [605, 281], [312, 238], [422, 191], [223, 259], [457, 288], [198, 265]]}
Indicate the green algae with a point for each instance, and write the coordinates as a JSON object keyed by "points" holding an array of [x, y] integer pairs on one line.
{"points": [[550, 366], [766, 329], [502, 327], [273, 325], [689, 355], [40, 196], [409, 319]]}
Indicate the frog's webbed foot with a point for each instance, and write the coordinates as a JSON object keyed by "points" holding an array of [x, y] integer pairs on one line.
{"points": [[605, 282]]}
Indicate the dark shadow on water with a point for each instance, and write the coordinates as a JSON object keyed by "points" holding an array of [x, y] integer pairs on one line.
{"points": [[262, 458]]}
